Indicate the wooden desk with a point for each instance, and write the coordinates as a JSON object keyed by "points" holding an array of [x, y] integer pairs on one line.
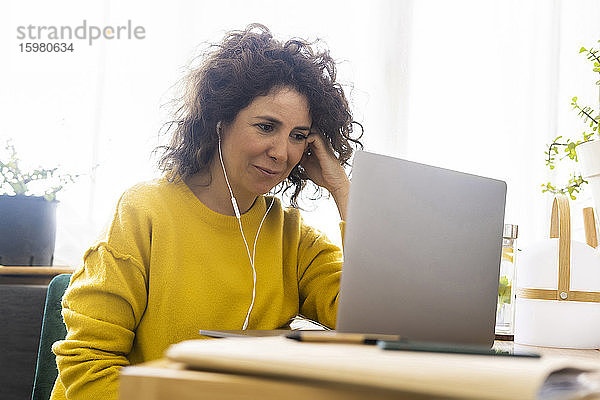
{"points": [[164, 379], [31, 275]]}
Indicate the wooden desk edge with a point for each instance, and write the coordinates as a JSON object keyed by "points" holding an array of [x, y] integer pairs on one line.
{"points": [[36, 271], [166, 379]]}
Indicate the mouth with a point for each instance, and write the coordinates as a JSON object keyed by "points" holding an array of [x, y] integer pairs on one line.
{"points": [[267, 172]]}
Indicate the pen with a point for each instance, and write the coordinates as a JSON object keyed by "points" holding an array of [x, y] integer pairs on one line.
{"points": [[338, 337]]}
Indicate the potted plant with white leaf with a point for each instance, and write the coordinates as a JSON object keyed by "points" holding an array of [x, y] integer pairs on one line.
{"points": [[28, 211]]}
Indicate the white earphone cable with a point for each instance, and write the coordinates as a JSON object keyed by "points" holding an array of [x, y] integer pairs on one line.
{"points": [[238, 216], [233, 202], [245, 326]]}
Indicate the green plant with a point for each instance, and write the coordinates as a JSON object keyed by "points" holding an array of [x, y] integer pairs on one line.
{"points": [[14, 181], [588, 114], [504, 290]]}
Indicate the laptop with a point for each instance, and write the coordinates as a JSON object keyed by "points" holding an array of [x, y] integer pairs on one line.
{"points": [[422, 254]]}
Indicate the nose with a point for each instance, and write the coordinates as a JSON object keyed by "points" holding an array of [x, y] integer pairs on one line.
{"points": [[277, 150]]}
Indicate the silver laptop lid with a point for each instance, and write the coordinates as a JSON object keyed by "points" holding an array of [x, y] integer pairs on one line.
{"points": [[422, 252]]}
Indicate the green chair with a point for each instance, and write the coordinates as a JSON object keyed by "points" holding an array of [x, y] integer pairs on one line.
{"points": [[53, 329]]}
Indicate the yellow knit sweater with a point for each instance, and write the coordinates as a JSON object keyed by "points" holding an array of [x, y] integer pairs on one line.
{"points": [[168, 266]]}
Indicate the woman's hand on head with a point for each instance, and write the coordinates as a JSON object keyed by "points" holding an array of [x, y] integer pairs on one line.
{"points": [[322, 166], [324, 169]]}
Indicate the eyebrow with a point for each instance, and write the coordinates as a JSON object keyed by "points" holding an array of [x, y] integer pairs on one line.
{"points": [[276, 121]]}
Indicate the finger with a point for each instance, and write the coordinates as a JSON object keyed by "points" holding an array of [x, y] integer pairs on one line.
{"points": [[318, 145]]}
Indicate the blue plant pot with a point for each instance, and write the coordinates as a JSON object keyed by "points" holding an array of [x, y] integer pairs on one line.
{"points": [[27, 230]]}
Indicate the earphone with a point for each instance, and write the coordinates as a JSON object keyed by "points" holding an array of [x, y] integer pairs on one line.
{"points": [[236, 210]]}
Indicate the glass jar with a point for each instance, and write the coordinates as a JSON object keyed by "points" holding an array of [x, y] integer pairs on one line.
{"points": [[505, 314]]}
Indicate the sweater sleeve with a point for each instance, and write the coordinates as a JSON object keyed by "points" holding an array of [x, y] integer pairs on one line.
{"points": [[319, 273], [102, 307]]}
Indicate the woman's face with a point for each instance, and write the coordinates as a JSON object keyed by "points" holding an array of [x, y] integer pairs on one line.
{"points": [[265, 141]]}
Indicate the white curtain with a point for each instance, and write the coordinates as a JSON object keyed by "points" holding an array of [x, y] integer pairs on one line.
{"points": [[491, 83], [475, 85]]}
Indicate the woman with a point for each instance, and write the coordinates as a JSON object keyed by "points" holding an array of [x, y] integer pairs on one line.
{"points": [[202, 247]]}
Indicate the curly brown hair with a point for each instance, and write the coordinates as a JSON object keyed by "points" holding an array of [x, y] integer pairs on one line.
{"points": [[245, 65]]}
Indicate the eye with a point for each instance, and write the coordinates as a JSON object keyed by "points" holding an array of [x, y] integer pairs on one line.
{"points": [[298, 137], [265, 127]]}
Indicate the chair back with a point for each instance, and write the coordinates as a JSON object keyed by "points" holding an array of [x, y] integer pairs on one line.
{"points": [[53, 329], [21, 313]]}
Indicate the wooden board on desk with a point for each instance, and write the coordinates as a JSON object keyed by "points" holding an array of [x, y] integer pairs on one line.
{"points": [[432, 374], [166, 380]]}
